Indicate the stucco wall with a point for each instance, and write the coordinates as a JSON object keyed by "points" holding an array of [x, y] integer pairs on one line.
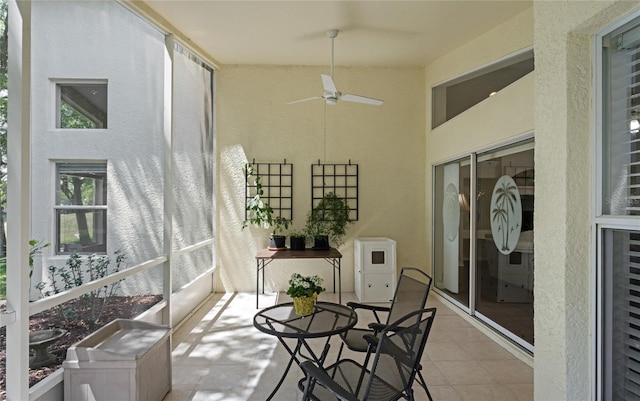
{"points": [[564, 156], [387, 142], [133, 141]]}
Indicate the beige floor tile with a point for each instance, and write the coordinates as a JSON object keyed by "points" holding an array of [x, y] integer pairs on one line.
{"points": [[219, 355], [465, 372], [432, 375], [485, 351], [444, 393], [509, 372], [522, 392], [450, 322], [179, 395], [446, 352], [438, 335], [468, 335], [485, 392]]}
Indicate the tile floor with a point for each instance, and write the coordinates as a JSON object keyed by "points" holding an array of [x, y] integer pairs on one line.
{"points": [[219, 355]]}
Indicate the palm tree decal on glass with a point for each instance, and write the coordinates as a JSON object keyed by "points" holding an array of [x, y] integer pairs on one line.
{"points": [[506, 214]]}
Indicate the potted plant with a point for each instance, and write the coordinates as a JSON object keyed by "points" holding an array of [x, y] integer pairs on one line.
{"points": [[304, 291], [297, 240], [260, 214], [328, 221]]}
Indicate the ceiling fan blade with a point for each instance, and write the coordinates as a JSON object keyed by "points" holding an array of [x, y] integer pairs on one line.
{"points": [[327, 83], [361, 99], [305, 100]]}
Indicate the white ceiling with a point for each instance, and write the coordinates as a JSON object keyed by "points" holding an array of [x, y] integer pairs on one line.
{"points": [[372, 33]]}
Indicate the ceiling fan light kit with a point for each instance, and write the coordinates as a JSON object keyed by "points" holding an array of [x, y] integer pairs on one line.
{"points": [[331, 94]]}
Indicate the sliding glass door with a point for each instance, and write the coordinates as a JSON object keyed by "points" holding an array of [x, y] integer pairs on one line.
{"points": [[483, 237], [452, 229]]}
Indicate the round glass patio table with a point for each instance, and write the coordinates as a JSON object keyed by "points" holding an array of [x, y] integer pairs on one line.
{"points": [[327, 320]]}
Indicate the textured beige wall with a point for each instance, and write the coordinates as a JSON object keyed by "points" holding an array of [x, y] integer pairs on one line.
{"points": [[507, 114], [563, 86], [387, 142]]}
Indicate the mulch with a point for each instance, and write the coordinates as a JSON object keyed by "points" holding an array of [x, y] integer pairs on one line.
{"points": [[77, 318]]}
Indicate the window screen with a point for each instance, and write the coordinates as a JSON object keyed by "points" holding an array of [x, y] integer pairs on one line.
{"points": [[81, 208], [619, 193]]}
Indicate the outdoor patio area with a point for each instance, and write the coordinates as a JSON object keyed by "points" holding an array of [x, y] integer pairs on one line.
{"points": [[219, 355]]}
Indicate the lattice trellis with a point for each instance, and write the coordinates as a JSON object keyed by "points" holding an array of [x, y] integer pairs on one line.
{"points": [[341, 179], [277, 186]]}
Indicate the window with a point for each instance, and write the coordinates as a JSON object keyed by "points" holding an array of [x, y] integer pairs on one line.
{"points": [[81, 208], [618, 215], [457, 95], [81, 105]]}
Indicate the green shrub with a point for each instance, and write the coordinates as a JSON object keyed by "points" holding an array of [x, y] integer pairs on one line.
{"points": [[71, 275]]}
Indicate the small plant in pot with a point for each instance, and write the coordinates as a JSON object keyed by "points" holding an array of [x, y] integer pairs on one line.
{"points": [[327, 221], [297, 240], [260, 214], [304, 291]]}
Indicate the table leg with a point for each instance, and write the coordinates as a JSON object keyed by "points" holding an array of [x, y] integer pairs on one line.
{"points": [[333, 264], [286, 370], [258, 281], [339, 282]]}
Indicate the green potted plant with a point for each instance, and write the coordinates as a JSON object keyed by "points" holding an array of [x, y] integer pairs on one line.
{"points": [[297, 240], [328, 221], [304, 291], [260, 214]]}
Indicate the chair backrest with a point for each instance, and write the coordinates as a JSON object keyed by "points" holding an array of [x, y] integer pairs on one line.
{"points": [[397, 358], [411, 293]]}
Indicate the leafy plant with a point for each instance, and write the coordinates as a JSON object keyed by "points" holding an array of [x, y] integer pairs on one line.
{"points": [[35, 248], [304, 286], [259, 213], [329, 217], [297, 233], [72, 275]]}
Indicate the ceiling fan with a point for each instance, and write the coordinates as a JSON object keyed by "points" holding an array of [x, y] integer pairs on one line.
{"points": [[331, 94]]}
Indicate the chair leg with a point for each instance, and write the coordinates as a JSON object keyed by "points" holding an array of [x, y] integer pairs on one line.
{"points": [[340, 351], [424, 385]]}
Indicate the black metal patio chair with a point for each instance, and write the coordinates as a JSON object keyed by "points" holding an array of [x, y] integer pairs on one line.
{"points": [[410, 295], [396, 352]]}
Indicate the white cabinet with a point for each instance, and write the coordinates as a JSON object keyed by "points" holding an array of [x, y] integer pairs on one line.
{"points": [[375, 269], [515, 277]]}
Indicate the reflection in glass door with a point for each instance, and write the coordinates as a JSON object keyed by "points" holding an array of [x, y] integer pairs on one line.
{"points": [[486, 265], [504, 240], [452, 230]]}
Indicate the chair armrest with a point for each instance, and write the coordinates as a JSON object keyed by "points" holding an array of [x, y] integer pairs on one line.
{"points": [[377, 327], [372, 340], [375, 309], [311, 370], [378, 308]]}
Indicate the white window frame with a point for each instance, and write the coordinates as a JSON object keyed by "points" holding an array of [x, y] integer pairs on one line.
{"points": [[58, 102], [58, 207], [602, 222]]}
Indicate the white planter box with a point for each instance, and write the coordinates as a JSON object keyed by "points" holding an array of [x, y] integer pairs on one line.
{"points": [[124, 360]]}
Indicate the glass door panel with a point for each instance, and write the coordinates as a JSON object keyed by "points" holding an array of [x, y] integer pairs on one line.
{"points": [[504, 241], [451, 229]]}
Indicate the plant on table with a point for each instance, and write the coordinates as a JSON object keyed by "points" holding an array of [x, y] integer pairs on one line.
{"points": [[304, 290], [304, 286], [329, 218], [260, 214], [297, 240]]}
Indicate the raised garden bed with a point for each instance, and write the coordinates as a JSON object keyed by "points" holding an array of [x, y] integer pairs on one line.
{"points": [[78, 326]]}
